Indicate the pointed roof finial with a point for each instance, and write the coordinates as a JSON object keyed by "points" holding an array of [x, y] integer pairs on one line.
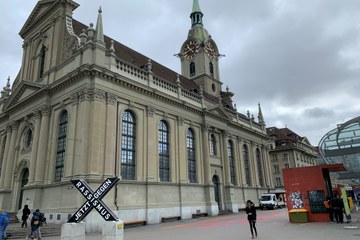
{"points": [[196, 6], [99, 37], [8, 82], [260, 116]]}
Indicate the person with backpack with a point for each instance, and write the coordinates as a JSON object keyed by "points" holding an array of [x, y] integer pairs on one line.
{"points": [[4, 222], [35, 225]]}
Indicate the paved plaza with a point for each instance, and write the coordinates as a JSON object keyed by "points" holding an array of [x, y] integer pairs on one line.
{"points": [[271, 225]]}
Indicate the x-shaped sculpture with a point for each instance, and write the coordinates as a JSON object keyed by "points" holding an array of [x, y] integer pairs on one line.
{"points": [[94, 200]]}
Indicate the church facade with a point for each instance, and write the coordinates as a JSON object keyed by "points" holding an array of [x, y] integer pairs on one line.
{"points": [[84, 106]]}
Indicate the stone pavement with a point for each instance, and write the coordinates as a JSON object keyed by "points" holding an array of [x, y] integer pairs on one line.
{"points": [[271, 225]]}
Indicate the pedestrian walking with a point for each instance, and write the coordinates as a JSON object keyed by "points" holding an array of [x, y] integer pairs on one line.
{"points": [[35, 225], [338, 206], [251, 216], [4, 222], [25, 216]]}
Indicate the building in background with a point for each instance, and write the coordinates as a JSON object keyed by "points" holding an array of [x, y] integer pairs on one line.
{"points": [[84, 106], [288, 150]]}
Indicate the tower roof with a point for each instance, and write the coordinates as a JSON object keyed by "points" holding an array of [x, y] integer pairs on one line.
{"points": [[197, 31], [196, 7]]}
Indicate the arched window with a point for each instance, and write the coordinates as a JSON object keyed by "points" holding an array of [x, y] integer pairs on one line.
{"points": [[192, 69], [28, 138], [190, 144], [164, 163], [247, 165], [128, 146], [211, 67], [42, 61], [61, 147], [231, 162], [212, 145], [259, 167]]}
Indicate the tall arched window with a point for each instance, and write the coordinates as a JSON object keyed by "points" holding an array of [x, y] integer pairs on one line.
{"points": [[231, 162], [192, 69], [164, 163], [61, 147], [212, 145], [42, 61], [128, 146], [247, 165], [190, 144], [259, 167], [211, 67]]}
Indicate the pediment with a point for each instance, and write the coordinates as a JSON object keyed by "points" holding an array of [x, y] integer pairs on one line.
{"points": [[22, 92], [219, 111], [38, 12]]}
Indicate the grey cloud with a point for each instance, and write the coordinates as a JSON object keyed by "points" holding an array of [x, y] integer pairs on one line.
{"points": [[317, 112]]}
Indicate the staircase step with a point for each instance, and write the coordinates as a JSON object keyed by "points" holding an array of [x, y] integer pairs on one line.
{"points": [[14, 231]]}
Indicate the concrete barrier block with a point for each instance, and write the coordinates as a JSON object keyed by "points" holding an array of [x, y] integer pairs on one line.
{"points": [[73, 231], [113, 230]]}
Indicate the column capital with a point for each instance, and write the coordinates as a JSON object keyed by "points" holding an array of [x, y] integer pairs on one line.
{"points": [[150, 110], [205, 127], [15, 125], [111, 99], [45, 110], [74, 98], [98, 95], [8, 128], [85, 94], [180, 120]]}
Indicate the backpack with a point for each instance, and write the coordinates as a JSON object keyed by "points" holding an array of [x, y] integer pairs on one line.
{"points": [[6, 220], [36, 220]]}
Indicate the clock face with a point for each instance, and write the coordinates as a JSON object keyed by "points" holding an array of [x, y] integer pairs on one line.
{"points": [[210, 50], [191, 49]]}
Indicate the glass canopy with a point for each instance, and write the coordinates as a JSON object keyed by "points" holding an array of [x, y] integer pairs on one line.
{"points": [[342, 145]]}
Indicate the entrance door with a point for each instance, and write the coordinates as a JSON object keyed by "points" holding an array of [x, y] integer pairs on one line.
{"points": [[24, 181], [217, 189]]}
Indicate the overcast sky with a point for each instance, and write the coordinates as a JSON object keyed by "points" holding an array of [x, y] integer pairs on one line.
{"points": [[300, 59]]}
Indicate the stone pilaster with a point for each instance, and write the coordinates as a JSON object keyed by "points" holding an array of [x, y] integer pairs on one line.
{"points": [[43, 144], [82, 133], [242, 162], [71, 140], [237, 161], [10, 157], [5, 160], [151, 142], [182, 157], [206, 154], [225, 154], [111, 134], [97, 133]]}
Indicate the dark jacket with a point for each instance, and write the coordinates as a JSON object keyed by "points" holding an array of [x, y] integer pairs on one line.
{"points": [[251, 212], [26, 213], [337, 203]]}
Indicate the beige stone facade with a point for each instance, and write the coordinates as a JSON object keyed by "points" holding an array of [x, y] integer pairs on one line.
{"points": [[63, 119], [288, 150]]}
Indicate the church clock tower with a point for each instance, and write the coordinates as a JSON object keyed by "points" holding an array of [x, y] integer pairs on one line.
{"points": [[200, 56]]}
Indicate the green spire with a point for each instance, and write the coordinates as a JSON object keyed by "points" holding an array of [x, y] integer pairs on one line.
{"points": [[196, 15], [196, 7]]}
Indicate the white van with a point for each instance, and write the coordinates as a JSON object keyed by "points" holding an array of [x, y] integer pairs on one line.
{"points": [[269, 200]]}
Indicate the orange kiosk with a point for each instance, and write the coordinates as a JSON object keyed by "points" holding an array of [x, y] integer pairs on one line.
{"points": [[306, 190]]}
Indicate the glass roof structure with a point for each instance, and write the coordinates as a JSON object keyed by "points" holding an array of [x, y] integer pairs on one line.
{"points": [[342, 145]]}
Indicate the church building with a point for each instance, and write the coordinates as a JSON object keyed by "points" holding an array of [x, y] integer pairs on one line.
{"points": [[84, 106]]}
